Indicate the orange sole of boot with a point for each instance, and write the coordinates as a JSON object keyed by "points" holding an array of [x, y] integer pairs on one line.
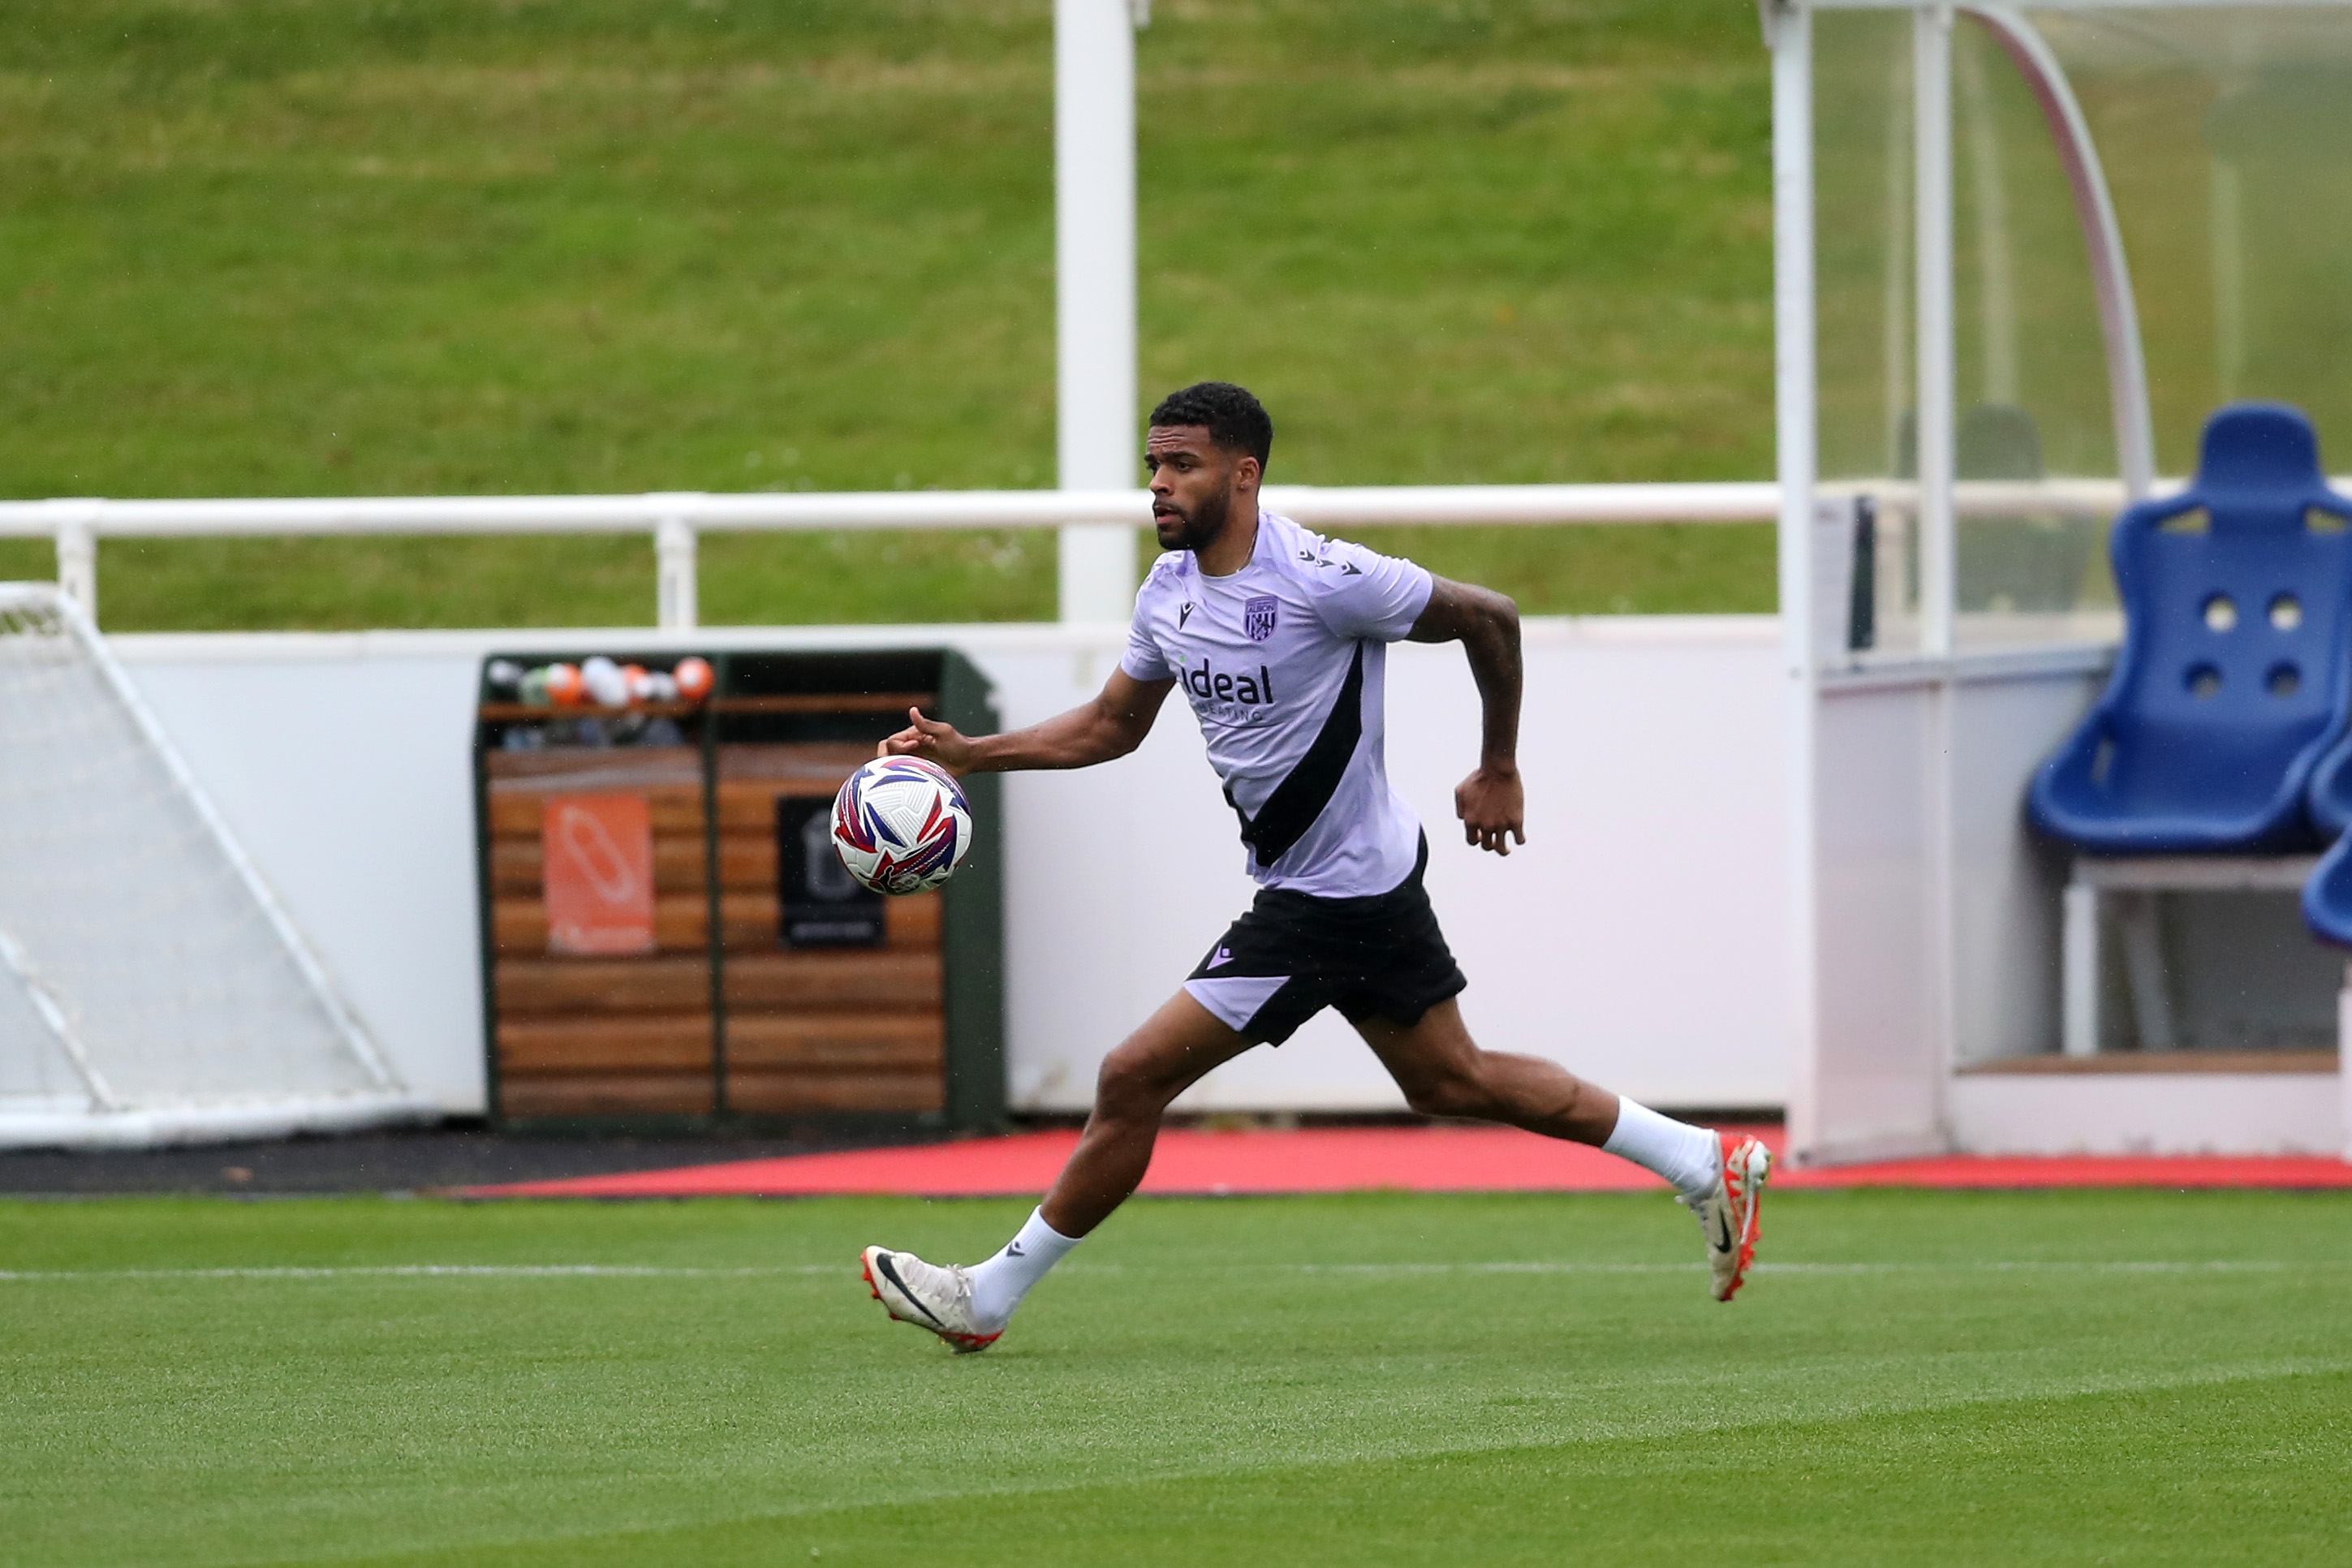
{"points": [[1750, 1232]]}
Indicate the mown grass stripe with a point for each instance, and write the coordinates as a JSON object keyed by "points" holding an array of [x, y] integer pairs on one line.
{"points": [[1365, 1271]]}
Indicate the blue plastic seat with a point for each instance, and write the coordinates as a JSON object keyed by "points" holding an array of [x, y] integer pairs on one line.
{"points": [[2236, 666]]}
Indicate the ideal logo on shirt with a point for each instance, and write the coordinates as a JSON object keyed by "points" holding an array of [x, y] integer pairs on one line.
{"points": [[1209, 685]]}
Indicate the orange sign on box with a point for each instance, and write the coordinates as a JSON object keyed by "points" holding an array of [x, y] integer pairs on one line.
{"points": [[598, 854]]}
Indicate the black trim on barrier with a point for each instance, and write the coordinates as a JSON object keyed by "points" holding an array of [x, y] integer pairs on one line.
{"points": [[714, 894], [486, 927], [1300, 798]]}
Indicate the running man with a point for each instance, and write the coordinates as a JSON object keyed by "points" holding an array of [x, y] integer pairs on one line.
{"points": [[1278, 638]]}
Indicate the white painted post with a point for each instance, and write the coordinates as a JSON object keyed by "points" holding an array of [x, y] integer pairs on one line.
{"points": [[1094, 296], [77, 562], [1787, 29], [676, 596], [1931, 184], [2079, 972]]}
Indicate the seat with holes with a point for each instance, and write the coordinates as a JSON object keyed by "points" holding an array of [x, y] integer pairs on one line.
{"points": [[2235, 672]]}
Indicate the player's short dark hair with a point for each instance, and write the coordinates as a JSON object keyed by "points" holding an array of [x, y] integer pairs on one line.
{"points": [[1236, 421]]}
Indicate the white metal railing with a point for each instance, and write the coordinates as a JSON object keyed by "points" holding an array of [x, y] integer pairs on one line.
{"points": [[676, 519]]}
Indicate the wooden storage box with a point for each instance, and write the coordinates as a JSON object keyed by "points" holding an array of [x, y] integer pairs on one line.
{"points": [[647, 957]]}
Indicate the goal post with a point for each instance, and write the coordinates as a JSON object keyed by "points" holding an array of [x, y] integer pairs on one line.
{"points": [[151, 988]]}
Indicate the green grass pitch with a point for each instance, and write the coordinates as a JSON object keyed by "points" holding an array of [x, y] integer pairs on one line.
{"points": [[2086, 1377]]}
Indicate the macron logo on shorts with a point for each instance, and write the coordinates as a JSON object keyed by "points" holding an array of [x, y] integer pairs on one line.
{"points": [[1224, 956]]}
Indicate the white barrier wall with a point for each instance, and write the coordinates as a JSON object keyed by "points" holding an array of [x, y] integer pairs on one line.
{"points": [[1639, 937], [1937, 942]]}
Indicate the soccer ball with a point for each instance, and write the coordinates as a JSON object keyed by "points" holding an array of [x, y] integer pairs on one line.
{"points": [[693, 677], [901, 825]]}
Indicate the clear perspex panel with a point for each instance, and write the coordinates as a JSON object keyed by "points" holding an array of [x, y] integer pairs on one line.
{"points": [[1862, 328], [2227, 134], [2226, 138], [2031, 396]]}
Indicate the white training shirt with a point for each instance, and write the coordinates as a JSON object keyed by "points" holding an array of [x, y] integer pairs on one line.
{"points": [[1285, 663]]}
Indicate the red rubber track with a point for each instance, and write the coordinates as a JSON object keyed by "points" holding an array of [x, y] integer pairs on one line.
{"points": [[1399, 1159]]}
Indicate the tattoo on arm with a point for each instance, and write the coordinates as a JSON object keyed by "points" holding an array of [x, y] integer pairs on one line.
{"points": [[1486, 625]]}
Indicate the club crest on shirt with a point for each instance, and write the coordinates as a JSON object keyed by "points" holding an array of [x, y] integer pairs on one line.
{"points": [[1257, 617]]}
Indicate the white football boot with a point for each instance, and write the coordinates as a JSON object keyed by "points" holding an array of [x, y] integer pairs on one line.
{"points": [[929, 1296], [1728, 1216]]}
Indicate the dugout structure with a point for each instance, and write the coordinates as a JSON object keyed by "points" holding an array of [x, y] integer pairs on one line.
{"points": [[669, 941], [2022, 253]]}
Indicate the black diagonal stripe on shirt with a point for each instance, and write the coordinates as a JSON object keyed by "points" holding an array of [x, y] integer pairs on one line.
{"points": [[1300, 798]]}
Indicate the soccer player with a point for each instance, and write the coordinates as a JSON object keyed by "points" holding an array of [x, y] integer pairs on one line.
{"points": [[1278, 638]]}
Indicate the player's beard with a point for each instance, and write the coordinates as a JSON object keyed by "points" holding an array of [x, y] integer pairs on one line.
{"points": [[1191, 531]]}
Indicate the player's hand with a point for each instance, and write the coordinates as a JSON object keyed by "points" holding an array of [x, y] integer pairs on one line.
{"points": [[933, 741], [1493, 808]]}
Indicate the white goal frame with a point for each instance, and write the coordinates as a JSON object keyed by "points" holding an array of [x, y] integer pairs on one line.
{"points": [[109, 1119]]}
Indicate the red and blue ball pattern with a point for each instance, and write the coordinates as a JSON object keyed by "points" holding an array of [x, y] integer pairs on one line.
{"points": [[901, 825]]}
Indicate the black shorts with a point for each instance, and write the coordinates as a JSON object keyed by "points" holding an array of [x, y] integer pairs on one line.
{"points": [[1295, 954]]}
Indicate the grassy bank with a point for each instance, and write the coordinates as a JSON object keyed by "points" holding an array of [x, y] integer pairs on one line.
{"points": [[301, 246]]}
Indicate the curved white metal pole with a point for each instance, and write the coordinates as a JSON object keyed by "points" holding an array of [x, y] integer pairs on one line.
{"points": [[2096, 210]]}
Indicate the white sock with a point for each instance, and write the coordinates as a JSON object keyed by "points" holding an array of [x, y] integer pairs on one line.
{"points": [[998, 1284], [1690, 1157]]}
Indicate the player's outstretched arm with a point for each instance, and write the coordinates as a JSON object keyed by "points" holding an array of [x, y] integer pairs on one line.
{"points": [[1110, 727], [1490, 801]]}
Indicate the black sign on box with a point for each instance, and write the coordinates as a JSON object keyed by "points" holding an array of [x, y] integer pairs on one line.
{"points": [[822, 904]]}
